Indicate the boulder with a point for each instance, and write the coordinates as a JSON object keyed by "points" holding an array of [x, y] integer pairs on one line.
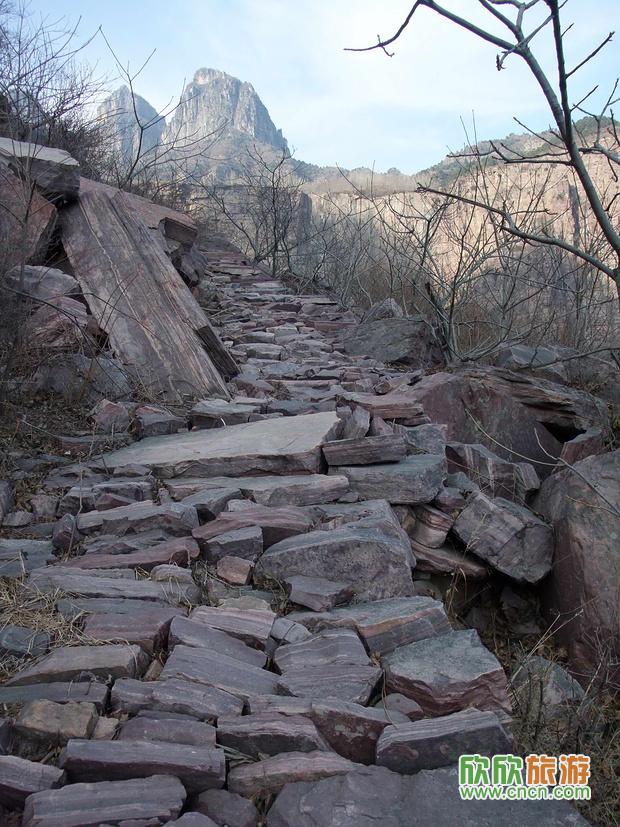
{"points": [[409, 341], [416, 479], [494, 476], [507, 536], [583, 506]]}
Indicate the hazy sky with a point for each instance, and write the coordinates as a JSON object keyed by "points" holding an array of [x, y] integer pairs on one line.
{"points": [[335, 106]]}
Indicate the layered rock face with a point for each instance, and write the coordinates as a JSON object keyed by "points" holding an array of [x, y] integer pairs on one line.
{"points": [[215, 101]]}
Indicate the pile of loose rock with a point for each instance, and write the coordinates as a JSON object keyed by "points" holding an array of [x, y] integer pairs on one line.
{"points": [[250, 582]]}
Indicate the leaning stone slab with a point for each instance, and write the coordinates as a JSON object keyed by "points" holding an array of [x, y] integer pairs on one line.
{"points": [[438, 742], [508, 536], [20, 778], [66, 663], [54, 171], [372, 557], [152, 800], [383, 625], [219, 671], [414, 480], [282, 446], [270, 775], [176, 696], [448, 673], [198, 768], [269, 733]]}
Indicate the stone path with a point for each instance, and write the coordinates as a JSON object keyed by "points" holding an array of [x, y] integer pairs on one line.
{"points": [[255, 635]]}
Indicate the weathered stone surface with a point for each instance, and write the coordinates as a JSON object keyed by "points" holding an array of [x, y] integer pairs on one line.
{"points": [[44, 720], [250, 625], [544, 689], [508, 536], [234, 570], [55, 172], [220, 671], [288, 445], [246, 543], [110, 417], [217, 413], [149, 630], [22, 641], [582, 446], [354, 683], [448, 560], [447, 673], [170, 730], [179, 696], [276, 523], [174, 518], [438, 742], [394, 702], [375, 795], [410, 341], [66, 663], [431, 526], [583, 508], [42, 283], [317, 593], [226, 808], [20, 778], [198, 768], [137, 801], [102, 584], [194, 633], [423, 439], [397, 405], [269, 733], [414, 480], [332, 646], [287, 631], [89, 691], [367, 451], [181, 551], [372, 556], [350, 729], [383, 625], [209, 502], [20, 556], [154, 421], [495, 476], [271, 774]]}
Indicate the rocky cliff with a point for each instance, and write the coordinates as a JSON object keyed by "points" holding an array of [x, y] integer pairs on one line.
{"points": [[126, 119]]}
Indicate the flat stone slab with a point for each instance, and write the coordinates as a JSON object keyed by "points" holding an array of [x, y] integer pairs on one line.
{"points": [[370, 450], [147, 630], [345, 682], [174, 518], [284, 445], [180, 551], [170, 730], [372, 556], [93, 692], [245, 543], [98, 584], [20, 778], [269, 733], [66, 663], [193, 633], [219, 671], [317, 593], [383, 625], [414, 480], [252, 626], [198, 768], [152, 800], [206, 703], [290, 489], [438, 742], [271, 774], [448, 673], [333, 646]]}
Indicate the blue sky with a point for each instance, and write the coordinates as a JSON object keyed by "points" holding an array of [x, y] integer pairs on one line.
{"points": [[336, 107]]}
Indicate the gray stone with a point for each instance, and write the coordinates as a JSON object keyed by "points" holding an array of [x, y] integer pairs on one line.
{"points": [[332, 646], [21, 641], [54, 171], [20, 778], [227, 809], [246, 543], [438, 742], [193, 633], [317, 593], [414, 480], [448, 673], [138, 801], [175, 518], [269, 733], [288, 445], [508, 536], [67, 662], [169, 730], [89, 691]]}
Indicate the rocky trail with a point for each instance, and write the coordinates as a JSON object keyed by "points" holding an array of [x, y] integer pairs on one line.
{"points": [[251, 595]]}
